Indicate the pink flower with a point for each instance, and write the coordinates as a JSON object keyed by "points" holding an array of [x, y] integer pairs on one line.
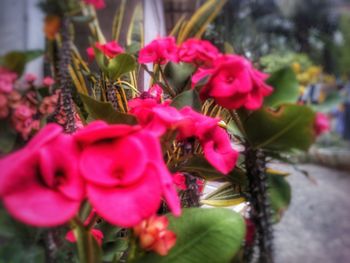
{"points": [[125, 173], [48, 105], [22, 119], [157, 118], [30, 78], [48, 81], [40, 184], [215, 141], [98, 4], [161, 51], [97, 234], [321, 124], [180, 181], [153, 235], [4, 109], [199, 52], [110, 49], [233, 83], [7, 78]]}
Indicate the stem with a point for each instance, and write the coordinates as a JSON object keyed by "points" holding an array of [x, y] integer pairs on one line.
{"points": [[85, 244], [238, 122], [167, 86], [260, 208], [132, 250]]}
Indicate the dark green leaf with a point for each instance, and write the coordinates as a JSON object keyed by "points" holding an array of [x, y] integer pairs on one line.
{"points": [[286, 87], [280, 195], [110, 249], [203, 235], [33, 54], [179, 75], [286, 128], [100, 59], [121, 64], [199, 166], [7, 137], [15, 61], [14, 252], [104, 111], [187, 98]]}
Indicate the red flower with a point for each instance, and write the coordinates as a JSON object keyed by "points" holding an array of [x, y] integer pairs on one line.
{"points": [[40, 184], [110, 49], [125, 173], [48, 81], [214, 140], [98, 4], [180, 181], [233, 83], [321, 124], [199, 52], [153, 235], [156, 117], [161, 51]]}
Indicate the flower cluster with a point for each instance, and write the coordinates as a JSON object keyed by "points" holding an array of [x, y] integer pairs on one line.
{"points": [[44, 183], [154, 235], [232, 81], [161, 117], [25, 109], [110, 49]]}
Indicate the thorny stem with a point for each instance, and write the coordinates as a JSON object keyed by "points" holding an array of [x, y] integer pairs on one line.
{"points": [[260, 208], [65, 81]]}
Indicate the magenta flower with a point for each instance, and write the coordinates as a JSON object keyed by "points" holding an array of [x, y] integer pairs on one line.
{"points": [[321, 124], [125, 173], [110, 49], [157, 118], [30, 78], [233, 83], [40, 184], [98, 4], [180, 181], [215, 141], [159, 51], [199, 52]]}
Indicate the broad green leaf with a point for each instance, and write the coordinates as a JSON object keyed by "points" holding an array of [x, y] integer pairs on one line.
{"points": [[283, 129], [203, 235], [15, 61], [199, 166], [286, 87], [33, 54], [179, 75], [121, 64], [104, 111], [7, 137], [15, 252], [187, 98], [280, 195], [112, 249], [225, 195]]}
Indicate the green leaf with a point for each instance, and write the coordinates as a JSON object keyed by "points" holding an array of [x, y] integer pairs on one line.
{"points": [[226, 195], [82, 19], [286, 128], [203, 235], [199, 166], [104, 111], [7, 137], [286, 87], [112, 249], [100, 59], [15, 61], [280, 195], [14, 252], [121, 64], [187, 98], [179, 75], [33, 54]]}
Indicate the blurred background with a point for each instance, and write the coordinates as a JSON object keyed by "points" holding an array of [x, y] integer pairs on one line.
{"points": [[313, 37]]}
